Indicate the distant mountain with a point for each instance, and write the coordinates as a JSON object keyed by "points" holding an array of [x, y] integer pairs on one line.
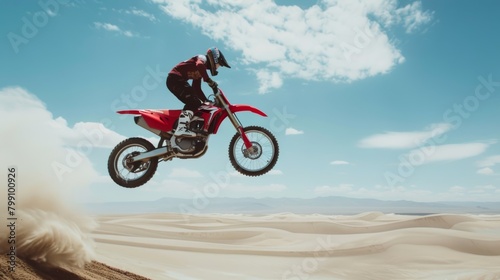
{"points": [[333, 205]]}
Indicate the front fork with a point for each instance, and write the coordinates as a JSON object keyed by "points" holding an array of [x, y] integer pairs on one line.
{"points": [[236, 123], [239, 127]]}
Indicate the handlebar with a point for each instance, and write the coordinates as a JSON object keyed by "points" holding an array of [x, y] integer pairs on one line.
{"points": [[212, 98]]}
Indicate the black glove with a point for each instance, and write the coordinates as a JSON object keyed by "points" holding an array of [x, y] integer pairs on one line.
{"points": [[213, 85]]}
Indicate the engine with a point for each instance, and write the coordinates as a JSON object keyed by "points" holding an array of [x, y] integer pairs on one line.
{"points": [[192, 146], [196, 125]]}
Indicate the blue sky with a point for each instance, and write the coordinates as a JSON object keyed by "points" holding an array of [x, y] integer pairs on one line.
{"points": [[376, 99]]}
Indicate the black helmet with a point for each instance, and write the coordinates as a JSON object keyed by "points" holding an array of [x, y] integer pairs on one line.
{"points": [[215, 56]]}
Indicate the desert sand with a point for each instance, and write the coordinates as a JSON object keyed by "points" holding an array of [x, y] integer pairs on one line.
{"points": [[370, 245], [288, 246]]}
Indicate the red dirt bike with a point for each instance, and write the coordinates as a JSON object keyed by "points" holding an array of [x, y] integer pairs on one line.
{"points": [[253, 150]]}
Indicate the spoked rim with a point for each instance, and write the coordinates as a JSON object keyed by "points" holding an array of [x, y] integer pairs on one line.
{"points": [[262, 154], [127, 170]]}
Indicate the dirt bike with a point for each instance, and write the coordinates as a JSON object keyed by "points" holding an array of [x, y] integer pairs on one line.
{"points": [[253, 150]]}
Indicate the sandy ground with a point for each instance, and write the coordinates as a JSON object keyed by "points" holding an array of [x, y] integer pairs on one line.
{"points": [[289, 246], [30, 270]]}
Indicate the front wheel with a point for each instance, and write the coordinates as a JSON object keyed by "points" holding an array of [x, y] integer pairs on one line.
{"points": [[260, 158], [130, 174]]}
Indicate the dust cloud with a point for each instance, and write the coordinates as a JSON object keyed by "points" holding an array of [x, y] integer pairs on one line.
{"points": [[50, 227]]}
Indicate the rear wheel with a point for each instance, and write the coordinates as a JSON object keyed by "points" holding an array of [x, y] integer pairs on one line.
{"points": [[260, 158], [130, 174]]}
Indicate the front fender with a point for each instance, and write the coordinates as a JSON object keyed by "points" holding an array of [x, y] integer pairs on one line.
{"points": [[235, 109], [241, 108]]}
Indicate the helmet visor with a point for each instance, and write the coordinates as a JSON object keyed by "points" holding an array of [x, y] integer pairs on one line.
{"points": [[222, 60]]}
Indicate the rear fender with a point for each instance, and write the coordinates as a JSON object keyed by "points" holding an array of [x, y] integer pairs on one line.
{"points": [[162, 120]]}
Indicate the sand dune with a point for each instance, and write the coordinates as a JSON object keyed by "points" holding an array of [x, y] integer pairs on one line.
{"points": [[289, 246]]}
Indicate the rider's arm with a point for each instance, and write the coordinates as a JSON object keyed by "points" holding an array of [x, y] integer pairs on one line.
{"points": [[200, 65]]}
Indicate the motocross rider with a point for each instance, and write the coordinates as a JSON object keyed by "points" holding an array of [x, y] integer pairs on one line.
{"points": [[192, 96]]}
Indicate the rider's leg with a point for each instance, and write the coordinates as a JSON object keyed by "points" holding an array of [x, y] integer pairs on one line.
{"points": [[182, 129], [184, 92]]}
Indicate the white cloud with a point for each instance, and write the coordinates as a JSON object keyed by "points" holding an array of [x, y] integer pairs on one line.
{"points": [[86, 134], [140, 13], [339, 162], [106, 26], [34, 139], [275, 172], [268, 80], [487, 164], [128, 33], [413, 16], [293, 131], [404, 140], [71, 146], [336, 41], [448, 152], [489, 161], [485, 171], [114, 28]]}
